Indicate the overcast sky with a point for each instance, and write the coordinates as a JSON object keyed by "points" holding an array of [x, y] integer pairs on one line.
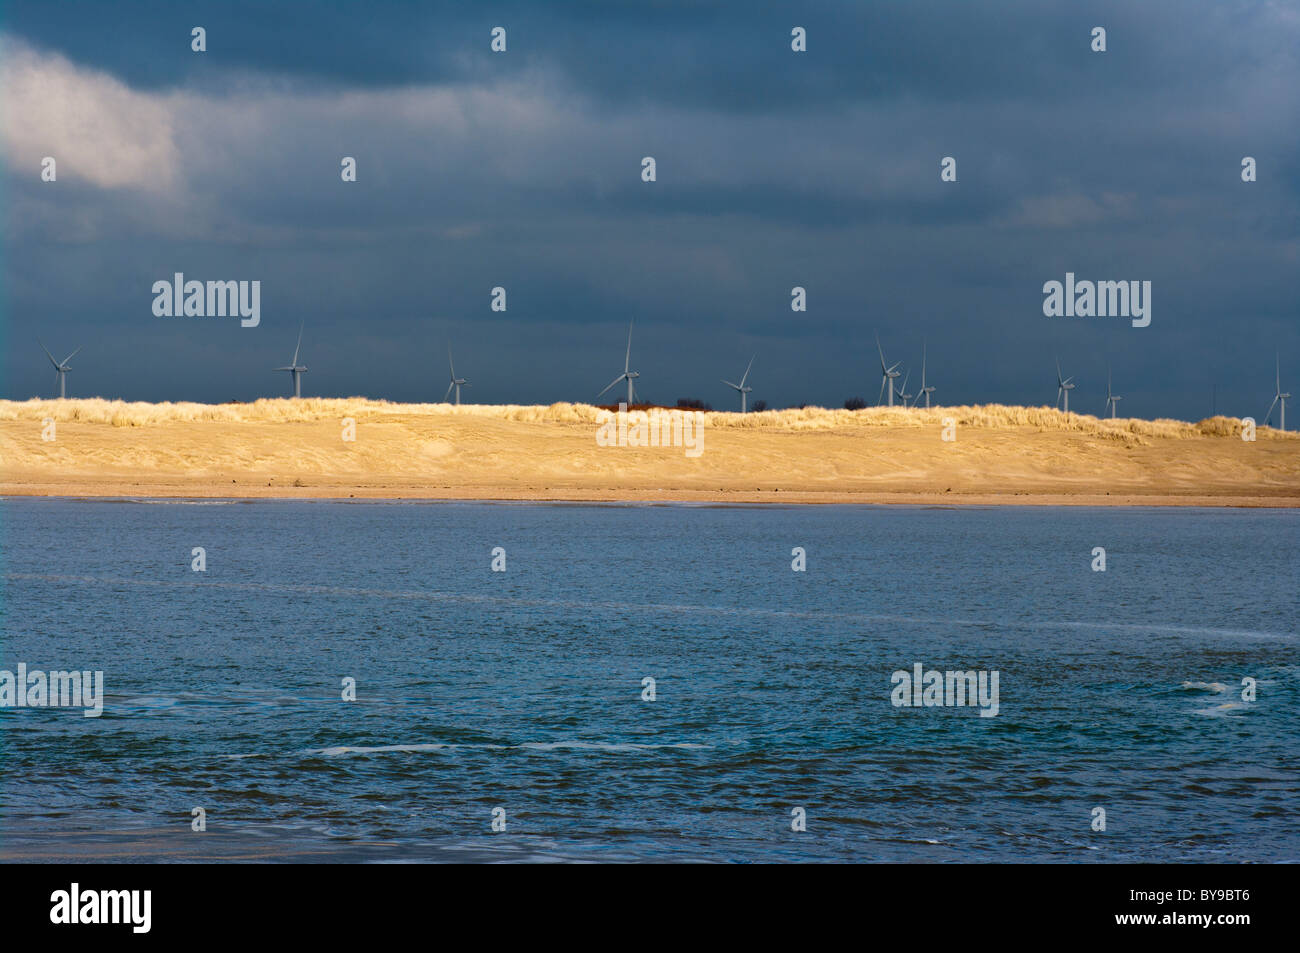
{"points": [[775, 169]]}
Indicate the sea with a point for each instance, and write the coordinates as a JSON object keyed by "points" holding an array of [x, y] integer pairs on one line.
{"points": [[377, 682]]}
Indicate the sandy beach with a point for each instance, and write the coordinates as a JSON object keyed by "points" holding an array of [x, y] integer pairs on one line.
{"points": [[286, 448]]}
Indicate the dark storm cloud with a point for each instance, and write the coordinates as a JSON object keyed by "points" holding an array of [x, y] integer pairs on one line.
{"points": [[775, 169], [727, 55]]}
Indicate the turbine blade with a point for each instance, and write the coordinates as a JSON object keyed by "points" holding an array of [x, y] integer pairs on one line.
{"points": [[48, 354], [451, 363], [611, 384], [1268, 413], [882, 391], [627, 360], [751, 364], [448, 394], [729, 384], [299, 345], [72, 355]]}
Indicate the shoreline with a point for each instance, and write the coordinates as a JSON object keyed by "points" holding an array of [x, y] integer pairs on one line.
{"points": [[754, 499]]}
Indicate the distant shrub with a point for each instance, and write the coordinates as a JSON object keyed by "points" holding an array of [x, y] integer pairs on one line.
{"points": [[855, 403], [759, 406], [694, 403]]}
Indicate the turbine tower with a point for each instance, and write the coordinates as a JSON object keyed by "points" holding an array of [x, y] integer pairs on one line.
{"points": [[741, 388], [1111, 399], [887, 374], [627, 375], [456, 382], [927, 391], [1278, 397], [61, 369], [1063, 388], [294, 367]]}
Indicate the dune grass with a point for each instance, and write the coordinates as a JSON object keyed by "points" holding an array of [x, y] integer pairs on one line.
{"points": [[120, 413]]}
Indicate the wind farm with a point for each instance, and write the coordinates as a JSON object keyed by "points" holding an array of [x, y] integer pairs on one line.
{"points": [[893, 394], [893, 452]]}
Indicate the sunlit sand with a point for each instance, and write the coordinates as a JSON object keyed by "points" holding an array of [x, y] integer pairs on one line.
{"points": [[296, 448]]}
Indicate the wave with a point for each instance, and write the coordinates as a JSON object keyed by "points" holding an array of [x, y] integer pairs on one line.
{"points": [[1218, 710], [653, 607], [619, 746]]}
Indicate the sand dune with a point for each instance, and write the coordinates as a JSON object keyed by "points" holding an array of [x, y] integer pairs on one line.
{"points": [[435, 451]]}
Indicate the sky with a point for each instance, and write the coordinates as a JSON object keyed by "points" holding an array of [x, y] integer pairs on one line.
{"points": [[775, 169]]}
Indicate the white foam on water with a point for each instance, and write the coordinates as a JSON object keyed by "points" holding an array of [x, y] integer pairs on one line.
{"points": [[1205, 686], [528, 745], [1219, 710], [604, 745]]}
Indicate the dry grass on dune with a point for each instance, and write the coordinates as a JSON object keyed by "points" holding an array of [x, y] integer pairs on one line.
{"points": [[273, 410], [284, 410]]}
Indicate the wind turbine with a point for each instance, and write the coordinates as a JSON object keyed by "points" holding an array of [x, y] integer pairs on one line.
{"points": [[903, 395], [627, 375], [1063, 387], [887, 374], [1111, 399], [293, 367], [61, 369], [741, 388], [456, 382], [1278, 397], [927, 391]]}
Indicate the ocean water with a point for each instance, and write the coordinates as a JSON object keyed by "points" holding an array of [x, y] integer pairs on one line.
{"points": [[522, 690]]}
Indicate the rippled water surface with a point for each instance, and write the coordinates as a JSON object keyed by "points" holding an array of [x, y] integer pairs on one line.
{"points": [[522, 690]]}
